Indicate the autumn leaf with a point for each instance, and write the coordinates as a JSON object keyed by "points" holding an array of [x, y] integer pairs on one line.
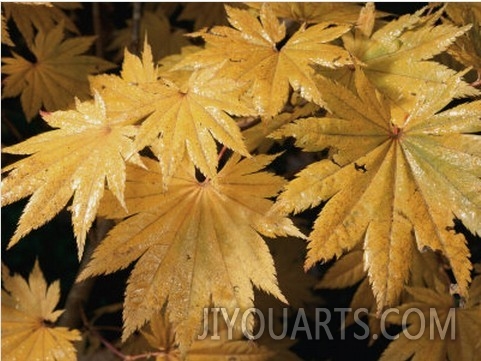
{"points": [[349, 271], [467, 49], [123, 93], [27, 320], [196, 244], [58, 74], [315, 12], [188, 118], [395, 180], [396, 57], [205, 14], [88, 150], [256, 54], [155, 26], [5, 34], [179, 118], [453, 335], [161, 337], [32, 17]]}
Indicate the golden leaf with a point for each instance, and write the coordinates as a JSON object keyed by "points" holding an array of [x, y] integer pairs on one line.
{"points": [[27, 318], [58, 75], [396, 56], [205, 14], [396, 180], [88, 150], [5, 34], [255, 54], [189, 118], [154, 26], [34, 17], [437, 330], [197, 243], [467, 49], [315, 12], [161, 337]]}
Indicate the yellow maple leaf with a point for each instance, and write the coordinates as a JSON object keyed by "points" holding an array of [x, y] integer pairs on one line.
{"points": [[5, 34], [205, 14], [396, 180], [315, 12], [155, 26], [467, 49], [28, 315], [185, 117], [160, 335], [188, 117], [437, 330], [396, 57], [196, 243], [56, 77], [36, 16], [253, 52], [88, 150]]}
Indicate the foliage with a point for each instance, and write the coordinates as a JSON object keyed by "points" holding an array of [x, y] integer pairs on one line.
{"points": [[27, 318], [378, 116]]}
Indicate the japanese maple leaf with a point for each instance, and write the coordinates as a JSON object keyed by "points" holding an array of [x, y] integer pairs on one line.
{"points": [[76, 160], [314, 12], [396, 180], [160, 335], [467, 49], [27, 320], [253, 52], [58, 74], [196, 244], [189, 118], [32, 17], [155, 26], [442, 331], [397, 58]]}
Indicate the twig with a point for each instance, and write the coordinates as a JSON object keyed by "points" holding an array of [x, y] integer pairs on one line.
{"points": [[135, 40], [18, 136], [97, 23]]}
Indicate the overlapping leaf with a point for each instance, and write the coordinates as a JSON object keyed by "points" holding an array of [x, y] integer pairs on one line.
{"points": [[180, 118], [58, 74], [467, 49], [396, 180], [197, 244], [255, 54], [155, 26], [161, 337], [190, 118], [87, 150], [205, 14], [396, 57], [314, 12], [32, 17], [27, 318], [437, 330]]}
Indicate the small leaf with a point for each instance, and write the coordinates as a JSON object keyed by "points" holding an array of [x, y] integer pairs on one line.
{"points": [[56, 77], [27, 312], [88, 150], [32, 17]]}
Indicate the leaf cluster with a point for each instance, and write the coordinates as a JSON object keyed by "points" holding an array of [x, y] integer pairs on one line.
{"points": [[177, 148]]}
